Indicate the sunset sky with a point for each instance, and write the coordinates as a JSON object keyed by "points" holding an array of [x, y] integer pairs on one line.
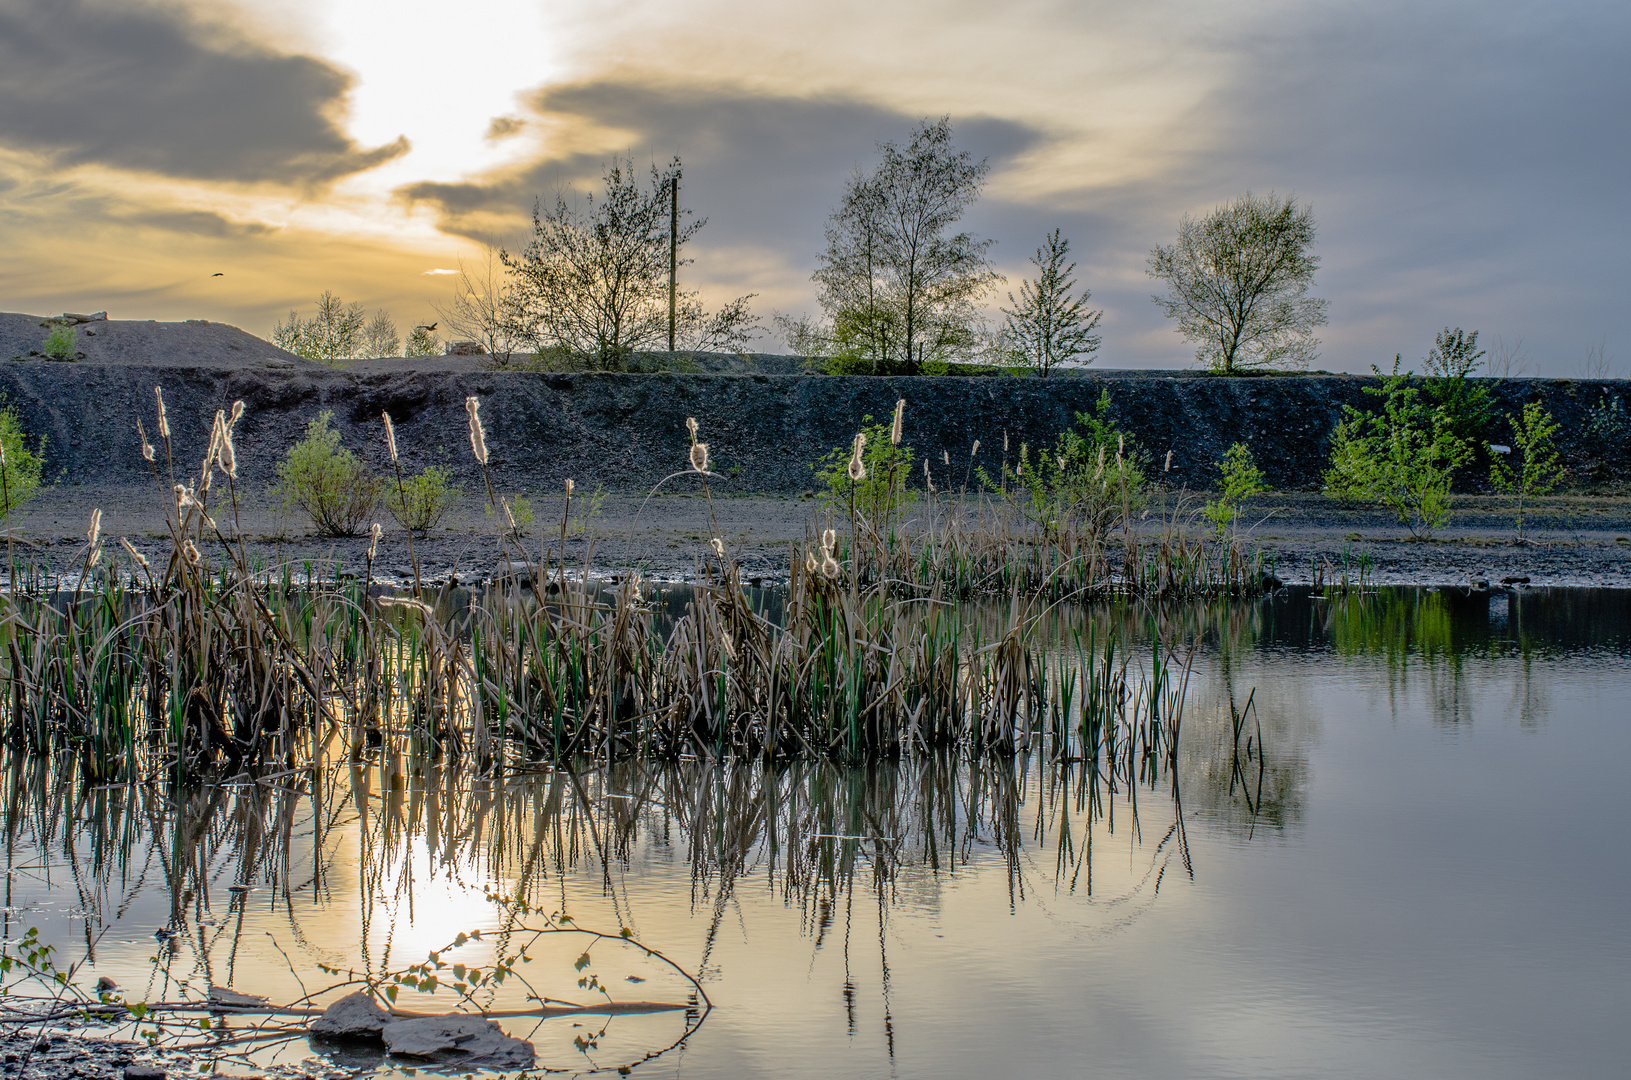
{"points": [[1467, 162]]}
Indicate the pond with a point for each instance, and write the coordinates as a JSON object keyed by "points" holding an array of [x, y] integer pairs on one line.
{"points": [[1410, 861]]}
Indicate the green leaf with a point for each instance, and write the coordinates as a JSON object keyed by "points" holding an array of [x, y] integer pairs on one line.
{"points": [[626, 933], [582, 962]]}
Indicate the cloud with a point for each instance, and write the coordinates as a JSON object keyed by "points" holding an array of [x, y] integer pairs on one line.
{"points": [[438, 272], [764, 169], [502, 127], [137, 86], [202, 223]]}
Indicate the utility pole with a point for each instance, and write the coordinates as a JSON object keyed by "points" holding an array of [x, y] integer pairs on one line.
{"points": [[673, 246]]}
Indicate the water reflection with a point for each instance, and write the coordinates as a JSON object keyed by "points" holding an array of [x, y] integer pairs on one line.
{"points": [[754, 873]]}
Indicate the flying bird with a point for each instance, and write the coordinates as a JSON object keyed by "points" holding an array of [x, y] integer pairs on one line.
{"points": [[428, 329], [219, 273]]}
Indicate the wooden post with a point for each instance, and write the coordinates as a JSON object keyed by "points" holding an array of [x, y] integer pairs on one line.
{"points": [[673, 247]]}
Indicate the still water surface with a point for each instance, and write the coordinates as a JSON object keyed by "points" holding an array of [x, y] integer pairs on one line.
{"points": [[1424, 873]]}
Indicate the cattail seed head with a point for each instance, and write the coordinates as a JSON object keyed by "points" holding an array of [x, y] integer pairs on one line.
{"points": [[164, 419], [569, 487], [147, 447], [857, 465], [830, 568], [94, 533], [975, 449], [135, 556], [810, 564], [237, 411], [829, 540], [900, 421], [1121, 443], [927, 479], [718, 545], [227, 454], [945, 456], [699, 456], [390, 436], [190, 551], [1168, 466], [373, 540], [1005, 442], [478, 437], [691, 426]]}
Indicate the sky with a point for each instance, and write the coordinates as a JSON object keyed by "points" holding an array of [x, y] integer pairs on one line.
{"points": [[1466, 162]]}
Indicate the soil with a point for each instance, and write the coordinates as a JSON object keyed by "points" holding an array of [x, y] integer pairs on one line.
{"points": [[622, 434]]}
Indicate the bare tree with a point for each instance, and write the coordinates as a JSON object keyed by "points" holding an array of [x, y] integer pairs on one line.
{"points": [[1508, 360], [1597, 364], [1237, 282], [1048, 325], [895, 287], [379, 337], [594, 282], [481, 308]]}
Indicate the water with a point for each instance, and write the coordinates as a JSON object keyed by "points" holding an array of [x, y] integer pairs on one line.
{"points": [[1425, 874]]}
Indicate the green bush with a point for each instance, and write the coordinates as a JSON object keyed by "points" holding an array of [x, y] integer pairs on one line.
{"points": [[20, 474], [1534, 469], [60, 343], [423, 500], [884, 490], [328, 482], [1241, 479], [1403, 457]]}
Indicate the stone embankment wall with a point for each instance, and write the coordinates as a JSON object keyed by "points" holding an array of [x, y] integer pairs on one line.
{"points": [[626, 432]]}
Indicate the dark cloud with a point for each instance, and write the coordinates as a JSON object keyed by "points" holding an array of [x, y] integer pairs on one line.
{"points": [[137, 87], [203, 223], [765, 170]]}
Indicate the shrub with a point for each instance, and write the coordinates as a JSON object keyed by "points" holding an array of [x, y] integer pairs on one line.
{"points": [[884, 489], [1402, 457], [1534, 469], [20, 472], [59, 343], [1241, 479], [328, 482], [422, 500]]}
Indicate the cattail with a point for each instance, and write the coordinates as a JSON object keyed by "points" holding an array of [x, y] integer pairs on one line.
{"points": [[927, 479], [164, 419], [975, 449], [1005, 442], [94, 533], [718, 545], [1168, 466], [390, 436], [1121, 441], [857, 467], [691, 426], [945, 455], [829, 540], [569, 487], [237, 411], [810, 562], [191, 552], [135, 556], [217, 431], [1060, 460], [228, 455], [478, 437], [900, 422], [699, 457], [830, 568], [505, 503], [373, 540], [147, 447]]}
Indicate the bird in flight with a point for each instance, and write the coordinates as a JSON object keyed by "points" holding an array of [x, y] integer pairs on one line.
{"points": [[219, 273], [428, 329]]}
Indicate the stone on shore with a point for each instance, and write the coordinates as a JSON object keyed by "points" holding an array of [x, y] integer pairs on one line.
{"points": [[458, 1038], [355, 1016]]}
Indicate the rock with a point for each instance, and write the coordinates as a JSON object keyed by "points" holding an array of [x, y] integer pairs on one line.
{"points": [[355, 1016], [143, 1072], [105, 985], [1515, 580], [460, 1038], [465, 348]]}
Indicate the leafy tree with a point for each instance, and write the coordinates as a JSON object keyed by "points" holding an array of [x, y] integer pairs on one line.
{"points": [[1241, 479], [1535, 468], [338, 331], [1403, 457], [1237, 282], [20, 467], [594, 281], [481, 308], [1466, 402], [422, 342], [1048, 325], [896, 286]]}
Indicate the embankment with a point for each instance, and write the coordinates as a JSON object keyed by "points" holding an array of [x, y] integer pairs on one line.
{"points": [[626, 432]]}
